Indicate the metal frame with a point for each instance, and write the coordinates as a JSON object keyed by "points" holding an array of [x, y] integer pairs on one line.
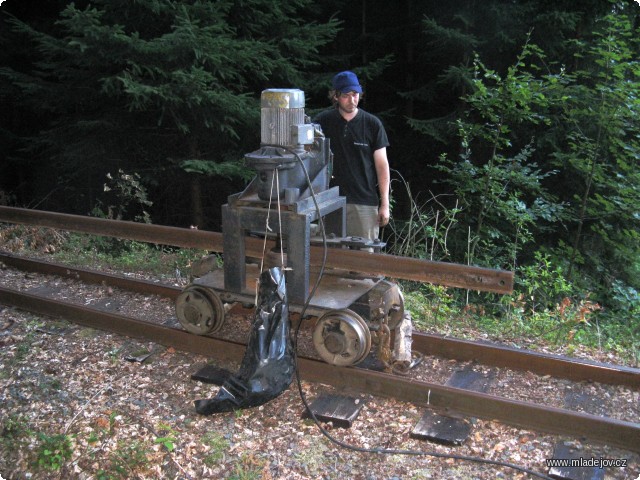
{"points": [[240, 218]]}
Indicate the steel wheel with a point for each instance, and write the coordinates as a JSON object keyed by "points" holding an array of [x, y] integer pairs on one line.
{"points": [[342, 338], [200, 310]]}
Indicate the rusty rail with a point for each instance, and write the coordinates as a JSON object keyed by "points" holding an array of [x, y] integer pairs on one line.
{"points": [[441, 273], [608, 431], [576, 369]]}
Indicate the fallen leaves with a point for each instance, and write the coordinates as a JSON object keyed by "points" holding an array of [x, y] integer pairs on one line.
{"points": [[79, 380]]}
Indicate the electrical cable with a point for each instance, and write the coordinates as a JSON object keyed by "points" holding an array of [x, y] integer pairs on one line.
{"points": [[323, 430]]}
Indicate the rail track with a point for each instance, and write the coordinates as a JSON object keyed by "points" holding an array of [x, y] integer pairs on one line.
{"points": [[447, 399], [604, 430]]}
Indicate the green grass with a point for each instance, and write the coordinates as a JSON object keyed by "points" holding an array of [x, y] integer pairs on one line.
{"points": [[218, 445], [94, 251], [248, 467], [125, 461], [53, 450], [14, 431], [126, 255], [568, 324], [166, 436]]}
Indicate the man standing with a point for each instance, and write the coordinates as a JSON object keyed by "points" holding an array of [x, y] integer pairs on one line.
{"points": [[360, 166]]}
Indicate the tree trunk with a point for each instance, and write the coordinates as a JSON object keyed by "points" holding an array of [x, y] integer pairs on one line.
{"points": [[197, 216]]}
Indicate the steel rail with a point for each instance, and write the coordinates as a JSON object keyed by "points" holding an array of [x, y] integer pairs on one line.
{"points": [[441, 273], [89, 276], [615, 433], [428, 344], [558, 366]]}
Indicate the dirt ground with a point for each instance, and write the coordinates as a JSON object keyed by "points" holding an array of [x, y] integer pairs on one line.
{"points": [[80, 400]]}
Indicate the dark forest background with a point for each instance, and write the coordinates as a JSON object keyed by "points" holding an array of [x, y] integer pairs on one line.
{"points": [[514, 124]]}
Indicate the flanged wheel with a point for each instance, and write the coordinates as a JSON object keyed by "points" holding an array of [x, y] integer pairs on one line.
{"points": [[342, 338], [200, 310]]}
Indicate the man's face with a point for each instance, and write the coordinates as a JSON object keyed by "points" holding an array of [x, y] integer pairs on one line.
{"points": [[348, 102]]}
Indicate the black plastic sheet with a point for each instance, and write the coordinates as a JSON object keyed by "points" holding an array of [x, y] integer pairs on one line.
{"points": [[268, 364]]}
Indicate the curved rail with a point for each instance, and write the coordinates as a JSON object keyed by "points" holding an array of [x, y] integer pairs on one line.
{"points": [[442, 273]]}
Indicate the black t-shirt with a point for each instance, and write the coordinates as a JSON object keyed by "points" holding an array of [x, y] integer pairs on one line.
{"points": [[353, 144]]}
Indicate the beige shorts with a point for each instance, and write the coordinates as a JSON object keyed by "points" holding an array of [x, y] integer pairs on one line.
{"points": [[362, 221]]}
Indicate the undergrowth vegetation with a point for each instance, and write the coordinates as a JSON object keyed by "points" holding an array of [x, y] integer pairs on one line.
{"points": [[545, 308]]}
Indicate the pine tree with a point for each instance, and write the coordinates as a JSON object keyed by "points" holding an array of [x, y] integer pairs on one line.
{"points": [[158, 87]]}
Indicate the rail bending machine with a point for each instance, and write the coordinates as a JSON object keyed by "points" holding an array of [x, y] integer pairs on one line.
{"points": [[288, 201]]}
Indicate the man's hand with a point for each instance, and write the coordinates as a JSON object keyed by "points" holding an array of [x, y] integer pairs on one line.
{"points": [[383, 215]]}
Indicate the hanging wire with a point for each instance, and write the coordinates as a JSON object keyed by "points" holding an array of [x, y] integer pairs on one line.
{"points": [[280, 222], [266, 229]]}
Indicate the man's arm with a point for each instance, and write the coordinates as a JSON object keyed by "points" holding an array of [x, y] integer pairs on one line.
{"points": [[382, 171]]}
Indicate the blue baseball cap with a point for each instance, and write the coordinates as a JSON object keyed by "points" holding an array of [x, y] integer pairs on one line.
{"points": [[346, 82]]}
